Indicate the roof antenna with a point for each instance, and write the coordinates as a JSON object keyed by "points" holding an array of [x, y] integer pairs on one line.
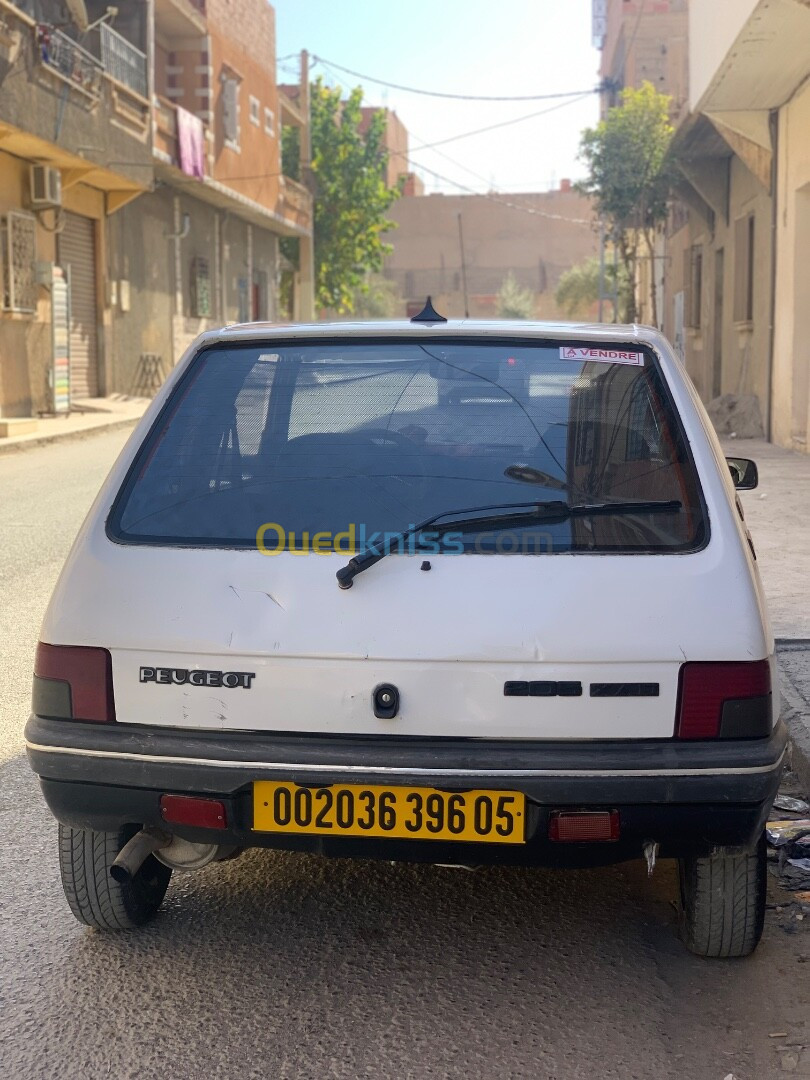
{"points": [[428, 314]]}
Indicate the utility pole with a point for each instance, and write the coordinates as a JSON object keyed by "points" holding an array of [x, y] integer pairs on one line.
{"points": [[601, 269], [463, 268], [306, 244]]}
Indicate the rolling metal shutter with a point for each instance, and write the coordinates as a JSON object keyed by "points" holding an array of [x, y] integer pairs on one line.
{"points": [[77, 251]]}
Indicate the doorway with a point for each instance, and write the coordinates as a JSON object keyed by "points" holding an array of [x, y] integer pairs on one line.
{"points": [[77, 256]]}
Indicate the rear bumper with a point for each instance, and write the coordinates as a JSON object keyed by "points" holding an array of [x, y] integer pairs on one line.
{"points": [[688, 797]]}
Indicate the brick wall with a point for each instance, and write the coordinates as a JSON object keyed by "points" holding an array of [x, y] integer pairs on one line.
{"points": [[243, 44]]}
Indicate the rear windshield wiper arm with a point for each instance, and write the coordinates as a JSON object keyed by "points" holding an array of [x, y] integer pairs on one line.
{"points": [[551, 512]]}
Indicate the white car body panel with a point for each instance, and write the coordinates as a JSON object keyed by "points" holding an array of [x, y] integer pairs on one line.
{"points": [[449, 639]]}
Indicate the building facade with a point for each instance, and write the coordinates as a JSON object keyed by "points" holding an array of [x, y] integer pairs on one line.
{"points": [[75, 147], [643, 41], [460, 248], [396, 143], [728, 269], [735, 295], [141, 195]]}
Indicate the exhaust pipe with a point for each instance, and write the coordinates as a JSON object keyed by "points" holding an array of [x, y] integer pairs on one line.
{"points": [[136, 851]]}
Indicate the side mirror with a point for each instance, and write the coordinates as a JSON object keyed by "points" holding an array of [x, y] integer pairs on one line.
{"points": [[744, 473]]}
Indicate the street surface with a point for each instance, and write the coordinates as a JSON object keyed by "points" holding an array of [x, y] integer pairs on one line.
{"points": [[293, 966], [778, 515]]}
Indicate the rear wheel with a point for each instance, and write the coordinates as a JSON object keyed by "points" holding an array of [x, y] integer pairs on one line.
{"points": [[723, 902], [85, 858]]}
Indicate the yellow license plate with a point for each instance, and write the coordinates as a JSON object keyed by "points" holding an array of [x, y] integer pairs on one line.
{"points": [[407, 813]]}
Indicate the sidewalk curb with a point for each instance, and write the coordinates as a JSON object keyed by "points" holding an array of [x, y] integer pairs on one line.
{"points": [[796, 714], [25, 443]]}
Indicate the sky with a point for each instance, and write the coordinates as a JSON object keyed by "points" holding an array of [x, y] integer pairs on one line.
{"points": [[470, 47]]}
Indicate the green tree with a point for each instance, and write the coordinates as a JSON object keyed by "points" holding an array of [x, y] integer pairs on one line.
{"points": [[578, 289], [351, 195], [631, 174], [376, 297], [513, 301]]}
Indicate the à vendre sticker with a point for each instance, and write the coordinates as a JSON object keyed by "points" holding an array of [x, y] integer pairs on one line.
{"points": [[602, 356]]}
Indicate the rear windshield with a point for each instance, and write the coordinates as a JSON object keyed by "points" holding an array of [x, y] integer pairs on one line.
{"points": [[331, 446]]}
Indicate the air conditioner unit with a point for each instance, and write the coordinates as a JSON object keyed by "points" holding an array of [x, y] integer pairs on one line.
{"points": [[46, 187]]}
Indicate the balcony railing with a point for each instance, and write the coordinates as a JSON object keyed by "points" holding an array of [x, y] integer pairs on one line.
{"points": [[295, 202], [123, 61], [165, 131], [65, 56]]}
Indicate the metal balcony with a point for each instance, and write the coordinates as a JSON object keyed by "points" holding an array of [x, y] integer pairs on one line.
{"points": [[67, 58], [294, 203], [123, 61]]}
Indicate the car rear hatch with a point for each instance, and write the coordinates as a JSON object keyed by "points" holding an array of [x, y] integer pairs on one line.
{"points": [[214, 583], [479, 646]]}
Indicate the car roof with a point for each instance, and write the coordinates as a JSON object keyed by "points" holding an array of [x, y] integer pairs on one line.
{"points": [[597, 332]]}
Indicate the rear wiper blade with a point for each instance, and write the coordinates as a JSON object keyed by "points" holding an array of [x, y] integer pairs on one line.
{"points": [[550, 512]]}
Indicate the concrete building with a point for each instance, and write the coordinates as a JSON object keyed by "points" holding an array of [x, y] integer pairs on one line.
{"points": [[535, 237], [210, 228], [735, 294], [157, 200], [396, 142], [75, 147], [642, 41]]}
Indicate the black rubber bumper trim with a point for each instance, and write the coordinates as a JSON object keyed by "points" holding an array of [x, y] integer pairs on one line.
{"points": [[650, 770], [689, 796]]}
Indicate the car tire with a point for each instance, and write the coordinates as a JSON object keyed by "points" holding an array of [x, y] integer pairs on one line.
{"points": [[85, 858], [723, 902]]}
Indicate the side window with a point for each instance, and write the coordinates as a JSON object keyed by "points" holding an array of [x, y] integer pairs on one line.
{"points": [[230, 109], [200, 288], [693, 286], [744, 269]]}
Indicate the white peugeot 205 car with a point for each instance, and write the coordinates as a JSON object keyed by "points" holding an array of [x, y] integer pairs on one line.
{"points": [[324, 604]]}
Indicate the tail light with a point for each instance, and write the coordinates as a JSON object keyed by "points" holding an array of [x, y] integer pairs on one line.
{"points": [[73, 682], [724, 700]]}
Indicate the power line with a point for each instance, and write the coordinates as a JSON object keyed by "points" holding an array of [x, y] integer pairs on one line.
{"points": [[454, 97], [505, 202], [439, 176], [458, 164], [504, 123], [500, 124]]}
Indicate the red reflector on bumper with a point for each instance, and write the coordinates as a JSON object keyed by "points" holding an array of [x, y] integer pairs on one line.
{"points": [[189, 810], [583, 826]]}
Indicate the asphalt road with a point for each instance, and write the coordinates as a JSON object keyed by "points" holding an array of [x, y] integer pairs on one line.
{"points": [[293, 966]]}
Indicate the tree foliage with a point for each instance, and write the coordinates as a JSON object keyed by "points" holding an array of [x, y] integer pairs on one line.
{"points": [[630, 173], [377, 297], [513, 301], [351, 195], [578, 289]]}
